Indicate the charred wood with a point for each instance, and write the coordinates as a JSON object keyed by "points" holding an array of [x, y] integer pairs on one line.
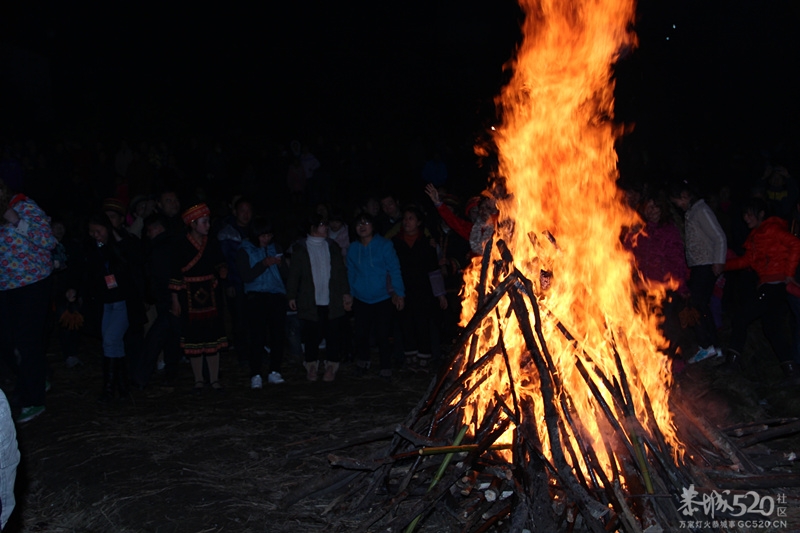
{"points": [[768, 434]]}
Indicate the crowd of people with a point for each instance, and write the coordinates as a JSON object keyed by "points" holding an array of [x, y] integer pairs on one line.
{"points": [[163, 267], [724, 260]]}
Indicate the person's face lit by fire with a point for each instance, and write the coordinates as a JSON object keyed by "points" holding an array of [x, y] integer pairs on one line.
{"points": [[99, 233], [391, 207], [372, 207], [243, 214], [652, 212], [364, 229], [682, 202], [145, 208], [115, 218], [264, 239], [411, 223], [169, 204], [753, 219], [319, 230], [201, 226]]}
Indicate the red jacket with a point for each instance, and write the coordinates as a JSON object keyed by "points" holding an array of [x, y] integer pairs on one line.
{"points": [[770, 250], [462, 227]]}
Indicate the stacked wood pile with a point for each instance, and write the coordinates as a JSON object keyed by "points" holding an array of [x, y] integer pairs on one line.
{"points": [[433, 476]]}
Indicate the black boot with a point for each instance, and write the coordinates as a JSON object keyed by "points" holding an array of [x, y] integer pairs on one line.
{"points": [[121, 377], [107, 395]]}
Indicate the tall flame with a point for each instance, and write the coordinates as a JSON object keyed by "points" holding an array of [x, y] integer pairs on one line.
{"points": [[563, 214]]}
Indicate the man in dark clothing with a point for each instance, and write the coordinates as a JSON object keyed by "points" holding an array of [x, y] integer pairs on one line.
{"points": [[164, 334], [390, 217], [230, 238], [170, 206]]}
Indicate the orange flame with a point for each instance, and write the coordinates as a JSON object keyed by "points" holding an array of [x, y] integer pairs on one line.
{"points": [[563, 214]]}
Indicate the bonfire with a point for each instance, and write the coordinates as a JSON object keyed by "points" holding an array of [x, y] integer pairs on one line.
{"points": [[553, 412]]}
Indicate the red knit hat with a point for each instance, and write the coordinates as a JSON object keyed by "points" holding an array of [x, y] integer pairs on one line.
{"points": [[195, 212]]}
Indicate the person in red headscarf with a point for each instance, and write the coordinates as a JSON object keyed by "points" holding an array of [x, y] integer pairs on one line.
{"points": [[197, 267]]}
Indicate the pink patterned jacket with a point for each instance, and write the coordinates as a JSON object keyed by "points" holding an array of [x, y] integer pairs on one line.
{"points": [[25, 249]]}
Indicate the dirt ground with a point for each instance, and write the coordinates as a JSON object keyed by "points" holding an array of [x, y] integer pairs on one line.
{"points": [[170, 461]]}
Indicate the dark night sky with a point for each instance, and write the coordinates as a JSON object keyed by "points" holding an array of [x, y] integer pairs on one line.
{"points": [[727, 70], [287, 66]]}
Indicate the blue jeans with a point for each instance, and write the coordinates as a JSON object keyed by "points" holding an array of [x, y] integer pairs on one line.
{"points": [[115, 324]]}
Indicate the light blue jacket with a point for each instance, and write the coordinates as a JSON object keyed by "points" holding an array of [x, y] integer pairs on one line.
{"points": [[372, 268], [257, 277]]}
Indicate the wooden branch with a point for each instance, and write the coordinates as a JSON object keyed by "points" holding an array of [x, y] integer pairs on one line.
{"points": [[631, 524], [415, 438], [320, 486], [350, 463], [720, 441], [755, 482], [491, 302], [591, 509], [780, 431], [340, 444], [747, 430], [768, 422], [493, 519]]}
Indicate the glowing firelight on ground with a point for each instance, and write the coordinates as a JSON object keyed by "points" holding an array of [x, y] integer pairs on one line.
{"points": [[562, 213]]}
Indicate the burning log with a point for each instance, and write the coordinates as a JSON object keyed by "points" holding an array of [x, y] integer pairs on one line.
{"points": [[739, 460]]}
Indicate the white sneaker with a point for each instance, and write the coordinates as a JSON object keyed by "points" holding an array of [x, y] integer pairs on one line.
{"points": [[255, 382], [703, 354], [275, 378]]}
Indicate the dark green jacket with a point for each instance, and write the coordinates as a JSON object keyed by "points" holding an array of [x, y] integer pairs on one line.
{"points": [[300, 285]]}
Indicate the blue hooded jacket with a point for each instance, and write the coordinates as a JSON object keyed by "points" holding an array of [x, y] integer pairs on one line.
{"points": [[269, 280], [372, 268]]}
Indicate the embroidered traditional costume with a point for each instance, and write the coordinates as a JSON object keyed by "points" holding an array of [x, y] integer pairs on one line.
{"points": [[195, 278]]}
